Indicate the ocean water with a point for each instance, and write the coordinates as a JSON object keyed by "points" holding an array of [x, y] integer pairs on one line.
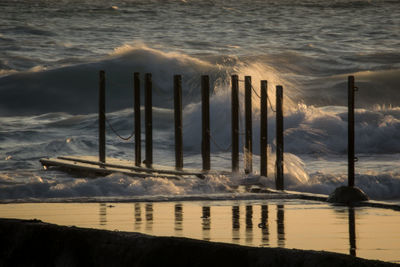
{"points": [[51, 52]]}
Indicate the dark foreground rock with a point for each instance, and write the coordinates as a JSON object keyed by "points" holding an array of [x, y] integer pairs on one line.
{"points": [[34, 243]]}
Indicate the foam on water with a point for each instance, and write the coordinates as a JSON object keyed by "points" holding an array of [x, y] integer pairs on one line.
{"points": [[53, 51]]}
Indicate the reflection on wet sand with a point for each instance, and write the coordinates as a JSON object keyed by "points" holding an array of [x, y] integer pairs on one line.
{"points": [[206, 222], [280, 221], [178, 219], [249, 225], [103, 214], [264, 225], [235, 224], [251, 214], [352, 232], [206, 228], [138, 216], [149, 216]]}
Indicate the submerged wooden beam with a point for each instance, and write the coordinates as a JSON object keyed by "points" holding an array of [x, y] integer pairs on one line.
{"points": [[90, 169]]}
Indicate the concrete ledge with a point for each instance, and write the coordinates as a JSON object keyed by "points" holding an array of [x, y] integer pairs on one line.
{"points": [[34, 243]]}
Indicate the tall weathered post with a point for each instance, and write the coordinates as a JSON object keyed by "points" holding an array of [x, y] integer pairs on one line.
{"points": [[248, 153], [178, 121], [350, 148], [279, 138], [148, 118], [235, 123], [138, 143], [205, 119], [102, 117], [263, 129], [349, 194]]}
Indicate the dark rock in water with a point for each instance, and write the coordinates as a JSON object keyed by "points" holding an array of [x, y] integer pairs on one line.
{"points": [[347, 195], [34, 243]]}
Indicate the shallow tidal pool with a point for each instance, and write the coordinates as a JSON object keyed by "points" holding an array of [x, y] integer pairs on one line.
{"points": [[365, 232]]}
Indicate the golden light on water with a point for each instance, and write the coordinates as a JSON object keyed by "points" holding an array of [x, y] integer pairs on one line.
{"points": [[365, 232]]}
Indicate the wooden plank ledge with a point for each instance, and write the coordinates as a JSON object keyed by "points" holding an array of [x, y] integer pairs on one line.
{"points": [[100, 170], [130, 165]]}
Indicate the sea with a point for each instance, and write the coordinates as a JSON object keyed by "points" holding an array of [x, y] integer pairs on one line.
{"points": [[51, 52]]}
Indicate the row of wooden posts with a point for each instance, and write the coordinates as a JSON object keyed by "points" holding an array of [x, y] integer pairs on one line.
{"points": [[205, 145]]}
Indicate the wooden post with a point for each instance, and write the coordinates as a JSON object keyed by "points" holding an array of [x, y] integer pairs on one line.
{"points": [[350, 144], [248, 157], [102, 117], [178, 121], [138, 142], [205, 119], [263, 129], [148, 117], [279, 138], [235, 123]]}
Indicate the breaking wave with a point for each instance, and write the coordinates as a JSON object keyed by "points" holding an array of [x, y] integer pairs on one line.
{"points": [[53, 111]]}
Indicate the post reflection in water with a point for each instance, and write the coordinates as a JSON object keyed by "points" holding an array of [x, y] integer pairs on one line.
{"points": [[103, 214], [138, 216], [206, 222], [264, 225], [149, 216], [235, 223], [280, 214], [352, 232], [249, 224], [178, 218]]}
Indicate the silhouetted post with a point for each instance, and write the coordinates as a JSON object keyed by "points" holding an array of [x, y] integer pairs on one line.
{"points": [[350, 148], [248, 157], [279, 138], [148, 117], [178, 121], [235, 123], [205, 118], [138, 142], [263, 129], [102, 117]]}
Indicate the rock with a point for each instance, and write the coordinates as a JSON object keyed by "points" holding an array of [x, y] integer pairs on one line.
{"points": [[347, 195]]}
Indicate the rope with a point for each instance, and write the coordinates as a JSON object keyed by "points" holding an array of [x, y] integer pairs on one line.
{"points": [[254, 90], [116, 133], [270, 104], [219, 147]]}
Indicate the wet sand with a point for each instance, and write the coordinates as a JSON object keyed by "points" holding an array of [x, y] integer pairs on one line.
{"points": [[35, 243]]}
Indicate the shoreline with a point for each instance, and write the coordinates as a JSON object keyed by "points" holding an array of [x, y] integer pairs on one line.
{"points": [[36, 243], [267, 194]]}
